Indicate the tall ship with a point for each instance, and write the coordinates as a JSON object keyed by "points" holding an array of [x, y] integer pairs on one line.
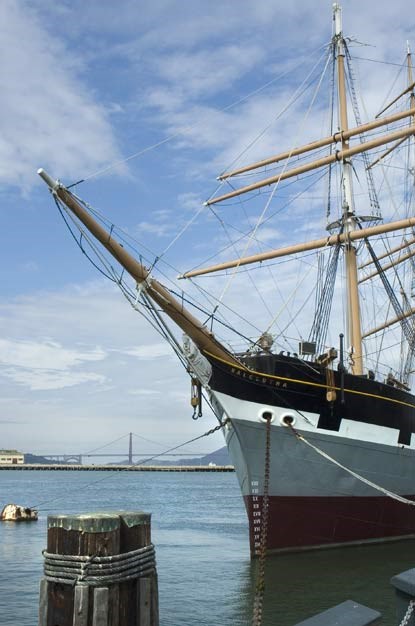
{"points": [[314, 396]]}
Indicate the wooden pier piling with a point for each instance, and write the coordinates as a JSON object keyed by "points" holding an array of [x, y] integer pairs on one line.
{"points": [[99, 570]]}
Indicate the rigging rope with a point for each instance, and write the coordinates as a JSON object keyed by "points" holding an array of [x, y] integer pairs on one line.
{"points": [[320, 325], [331, 148], [117, 278], [287, 301], [232, 244], [151, 458], [388, 493], [83, 234], [132, 299], [298, 92], [275, 186], [281, 332], [374, 202], [187, 129], [407, 328], [401, 65], [99, 571], [181, 232]]}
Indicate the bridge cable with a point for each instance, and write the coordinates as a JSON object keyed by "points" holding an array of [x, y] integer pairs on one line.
{"points": [[155, 456]]}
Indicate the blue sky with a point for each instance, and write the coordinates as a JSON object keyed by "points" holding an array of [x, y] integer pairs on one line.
{"points": [[85, 85]]}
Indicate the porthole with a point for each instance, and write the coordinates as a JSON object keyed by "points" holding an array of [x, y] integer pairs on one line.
{"points": [[266, 416], [287, 419]]}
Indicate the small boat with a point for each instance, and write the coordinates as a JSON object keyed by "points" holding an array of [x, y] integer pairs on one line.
{"points": [[314, 394]]}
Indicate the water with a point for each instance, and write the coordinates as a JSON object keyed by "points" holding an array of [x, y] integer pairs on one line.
{"points": [[200, 532]]}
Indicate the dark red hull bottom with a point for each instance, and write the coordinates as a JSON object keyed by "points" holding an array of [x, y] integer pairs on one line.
{"points": [[296, 523]]}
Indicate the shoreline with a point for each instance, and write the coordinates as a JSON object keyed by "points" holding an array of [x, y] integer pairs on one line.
{"points": [[118, 468]]}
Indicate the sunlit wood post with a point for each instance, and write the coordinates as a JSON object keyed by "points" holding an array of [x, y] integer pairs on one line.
{"points": [[99, 570]]}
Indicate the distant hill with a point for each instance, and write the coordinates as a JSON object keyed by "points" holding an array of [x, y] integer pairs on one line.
{"points": [[34, 459], [218, 457]]}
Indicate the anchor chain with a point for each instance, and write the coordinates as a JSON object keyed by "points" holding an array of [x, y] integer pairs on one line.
{"points": [[408, 614], [216, 428], [260, 585]]}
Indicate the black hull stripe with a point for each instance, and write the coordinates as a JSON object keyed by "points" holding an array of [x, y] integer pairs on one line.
{"points": [[309, 383]]}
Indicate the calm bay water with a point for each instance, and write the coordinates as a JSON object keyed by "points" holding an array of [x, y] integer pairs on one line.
{"points": [[200, 532]]}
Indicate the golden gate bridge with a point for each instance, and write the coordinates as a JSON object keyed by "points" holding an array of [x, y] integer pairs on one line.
{"points": [[129, 455]]}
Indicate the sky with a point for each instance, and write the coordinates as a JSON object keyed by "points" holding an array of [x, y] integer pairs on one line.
{"points": [[147, 102]]}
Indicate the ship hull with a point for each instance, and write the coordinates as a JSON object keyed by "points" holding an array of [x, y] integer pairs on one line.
{"points": [[314, 501], [310, 523]]}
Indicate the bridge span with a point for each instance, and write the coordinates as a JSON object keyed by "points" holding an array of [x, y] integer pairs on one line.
{"points": [[128, 455], [78, 458]]}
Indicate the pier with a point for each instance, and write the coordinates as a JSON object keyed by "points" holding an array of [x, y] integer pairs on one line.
{"points": [[72, 467]]}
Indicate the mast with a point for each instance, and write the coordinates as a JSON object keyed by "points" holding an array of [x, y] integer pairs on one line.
{"points": [[315, 244], [412, 119], [161, 296], [349, 219], [410, 80], [408, 367], [339, 155], [320, 143]]}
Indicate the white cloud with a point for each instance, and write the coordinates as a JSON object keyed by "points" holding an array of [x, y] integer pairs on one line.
{"points": [[82, 79], [46, 365], [205, 72], [101, 366], [30, 266], [40, 379], [44, 355], [155, 228], [152, 351], [49, 115], [150, 393]]}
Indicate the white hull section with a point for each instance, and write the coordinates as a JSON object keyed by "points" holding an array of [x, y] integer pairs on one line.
{"points": [[298, 470]]}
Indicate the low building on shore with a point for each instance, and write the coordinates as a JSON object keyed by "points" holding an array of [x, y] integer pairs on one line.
{"points": [[11, 457]]}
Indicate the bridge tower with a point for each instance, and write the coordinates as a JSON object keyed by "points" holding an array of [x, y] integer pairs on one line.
{"points": [[130, 450]]}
